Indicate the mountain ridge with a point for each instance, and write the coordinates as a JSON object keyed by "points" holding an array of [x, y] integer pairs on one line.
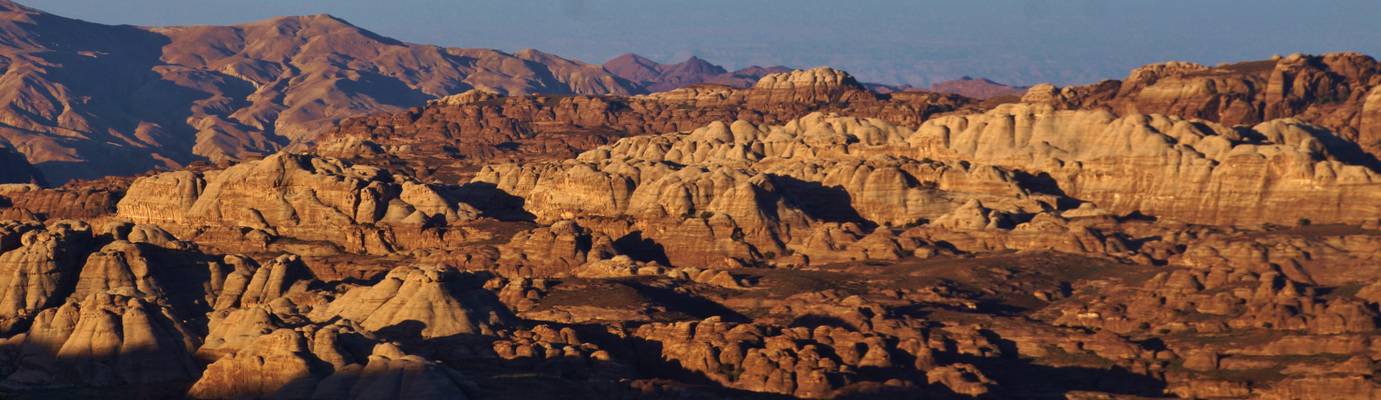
{"points": [[657, 77], [87, 99]]}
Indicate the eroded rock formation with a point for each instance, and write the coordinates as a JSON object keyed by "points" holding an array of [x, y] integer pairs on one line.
{"points": [[433, 301], [473, 128], [300, 196], [1335, 90], [1193, 171], [712, 242]]}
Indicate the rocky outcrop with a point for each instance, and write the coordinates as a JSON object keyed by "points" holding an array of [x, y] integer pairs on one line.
{"points": [[741, 190], [297, 196], [800, 362], [1190, 171], [103, 340], [280, 277], [1370, 120], [133, 270], [962, 379], [807, 86], [330, 362], [73, 200], [976, 229], [1333, 90], [233, 329], [624, 266], [556, 249], [41, 271], [429, 302], [390, 373], [12, 233], [276, 364]]}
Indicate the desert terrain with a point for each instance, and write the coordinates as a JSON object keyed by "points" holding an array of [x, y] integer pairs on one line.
{"points": [[299, 208]]}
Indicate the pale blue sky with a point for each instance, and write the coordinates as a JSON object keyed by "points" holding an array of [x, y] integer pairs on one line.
{"points": [[892, 41]]}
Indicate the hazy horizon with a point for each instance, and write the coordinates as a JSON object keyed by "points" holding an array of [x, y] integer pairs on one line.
{"points": [[887, 41]]}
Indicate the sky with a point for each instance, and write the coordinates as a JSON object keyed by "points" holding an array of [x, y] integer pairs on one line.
{"points": [[1018, 42]]}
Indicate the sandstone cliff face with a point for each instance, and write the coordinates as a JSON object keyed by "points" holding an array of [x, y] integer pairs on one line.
{"points": [[275, 364], [85, 100], [1190, 171], [293, 195], [74, 200], [35, 275], [1335, 90], [472, 129]]}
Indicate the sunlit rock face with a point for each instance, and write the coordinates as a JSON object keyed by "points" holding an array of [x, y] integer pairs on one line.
{"points": [[359, 208], [741, 190], [1335, 90], [1192, 171]]}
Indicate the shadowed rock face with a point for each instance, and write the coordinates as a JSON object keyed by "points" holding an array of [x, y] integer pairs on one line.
{"points": [[16, 169], [105, 340], [85, 100]]}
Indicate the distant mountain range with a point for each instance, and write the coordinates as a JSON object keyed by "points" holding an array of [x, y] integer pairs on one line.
{"points": [[652, 76], [655, 77], [977, 88]]}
